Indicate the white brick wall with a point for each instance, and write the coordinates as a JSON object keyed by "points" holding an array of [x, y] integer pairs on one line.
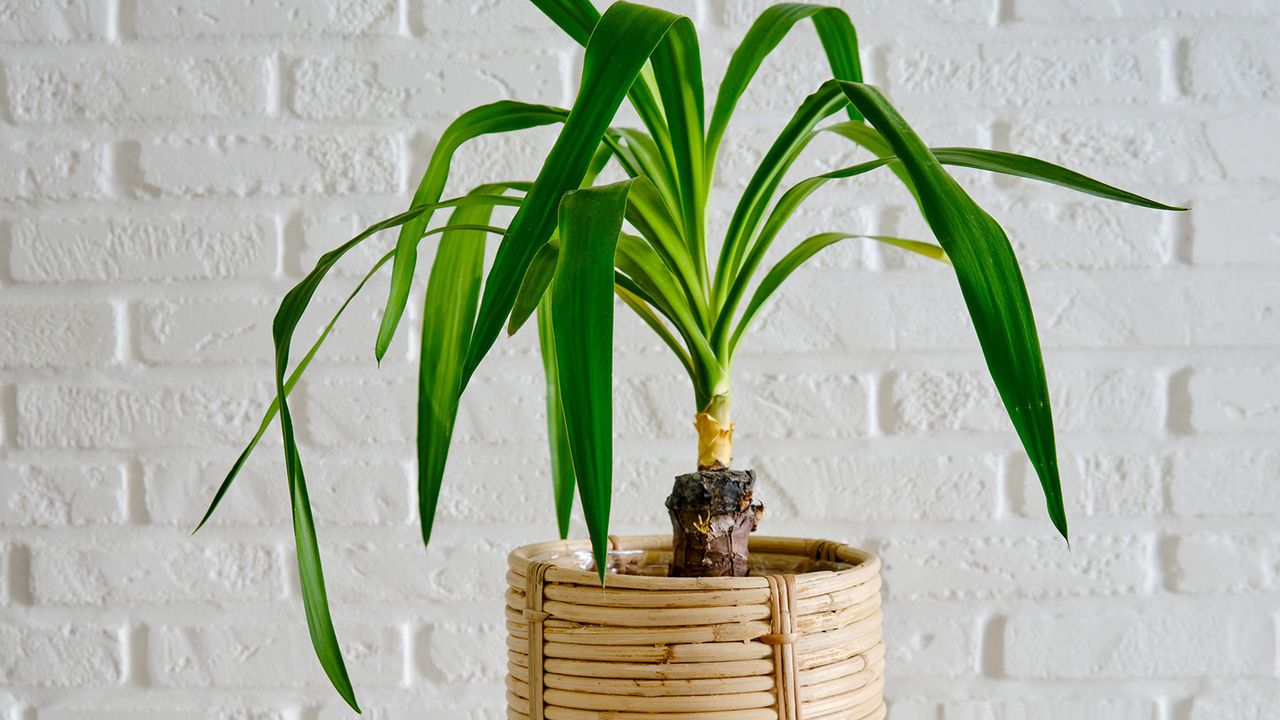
{"points": [[169, 167]]}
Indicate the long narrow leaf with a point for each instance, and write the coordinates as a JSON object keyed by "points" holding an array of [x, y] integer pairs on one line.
{"points": [[449, 309], [991, 283], [626, 36], [764, 182], [315, 599], [677, 66], [1004, 163], [294, 377], [582, 318], [839, 41], [500, 117], [562, 479]]}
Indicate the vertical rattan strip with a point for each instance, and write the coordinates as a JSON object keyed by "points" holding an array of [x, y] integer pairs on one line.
{"points": [[534, 613], [782, 599]]}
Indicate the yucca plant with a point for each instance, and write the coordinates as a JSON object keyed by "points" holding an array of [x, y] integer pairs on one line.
{"points": [[572, 245]]}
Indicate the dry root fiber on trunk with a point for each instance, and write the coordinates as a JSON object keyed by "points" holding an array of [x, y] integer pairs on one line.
{"points": [[712, 516]]}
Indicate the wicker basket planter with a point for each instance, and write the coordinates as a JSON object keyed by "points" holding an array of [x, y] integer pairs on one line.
{"points": [[799, 639]]}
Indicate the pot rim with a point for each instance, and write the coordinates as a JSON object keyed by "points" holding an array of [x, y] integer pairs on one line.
{"points": [[861, 565]]}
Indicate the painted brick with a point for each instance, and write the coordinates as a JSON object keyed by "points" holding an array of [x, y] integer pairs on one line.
{"points": [[1111, 310], [452, 652], [138, 89], [56, 250], [253, 165], [183, 416], [1245, 310], [1104, 10], [56, 335], [1237, 705], [1244, 68], [342, 412], [219, 709], [393, 86], [251, 655], [1058, 708], [1154, 644], [38, 495], [740, 14], [1243, 146], [1130, 152], [134, 573], [802, 406], [1236, 230], [868, 487], [343, 492], [41, 170], [444, 19], [966, 401], [925, 641], [1235, 399], [1101, 485], [192, 331], [951, 567], [1024, 73], [1196, 482], [1088, 235], [245, 18], [1222, 563], [467, 570], [60, 656], [37, 21]]}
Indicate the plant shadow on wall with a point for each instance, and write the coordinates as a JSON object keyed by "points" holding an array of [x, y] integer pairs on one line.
{"points": [[571, 246]]}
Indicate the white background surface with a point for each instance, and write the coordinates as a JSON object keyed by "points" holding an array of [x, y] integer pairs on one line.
{"points": [[169, 167]]}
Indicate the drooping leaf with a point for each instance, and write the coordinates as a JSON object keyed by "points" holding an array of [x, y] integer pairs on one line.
{"points": [[1004, 163], [562, 479], [990, 282], [449, 309], [582, 319], [839, 41], [626, 36], [500, 117], [288, 388], [314, 598], [1035, 169], [800, 254]]}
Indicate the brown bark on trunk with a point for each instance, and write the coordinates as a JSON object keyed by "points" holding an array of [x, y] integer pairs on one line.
{"points": [[712, 515]]}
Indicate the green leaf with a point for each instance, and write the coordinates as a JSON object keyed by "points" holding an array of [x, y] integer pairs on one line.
{"points": [[288, 388], [534, 285], [764, 182], [1034, 169], [500, 117], [991, 283], [314, 598], [582, 319], [575, 17], [839, 41], [449, 309], [626, 36], [801, 254], [562, 478], [301, 368], [677, 67], [1003, 163]]}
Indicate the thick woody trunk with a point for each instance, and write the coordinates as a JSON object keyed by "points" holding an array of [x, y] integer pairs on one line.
{"points": [[712, 511]]}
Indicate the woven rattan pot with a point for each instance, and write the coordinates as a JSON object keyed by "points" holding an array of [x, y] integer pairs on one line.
{"points": [[798, 639]]}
